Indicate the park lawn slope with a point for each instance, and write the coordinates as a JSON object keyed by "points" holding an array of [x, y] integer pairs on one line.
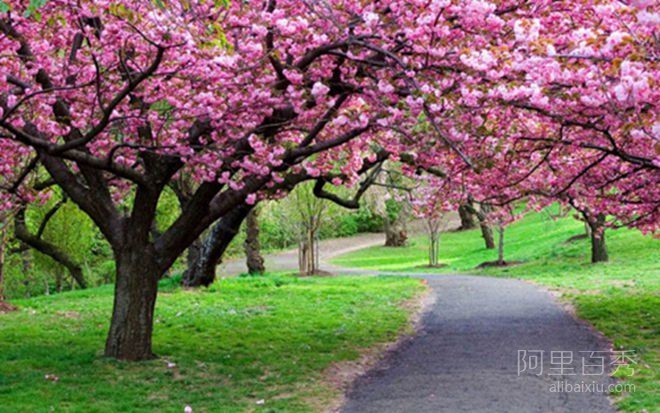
{"points": [[245, 344], [621, 298]]}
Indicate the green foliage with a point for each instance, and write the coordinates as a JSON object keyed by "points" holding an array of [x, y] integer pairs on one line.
{"points": [[242, 340], [392, 209], [106, 271], [33, 6], [367, 220], [279, 225], [70, 229], [168, 210]]}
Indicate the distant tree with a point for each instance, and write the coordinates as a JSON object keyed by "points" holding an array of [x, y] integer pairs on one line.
{"points": [[254, 260], [500, 244], [596, 224], [431, 204], [4, 223], [482, 215], [466, 215], [310, 212], [397, 213], [435, 225], [69, 237]]}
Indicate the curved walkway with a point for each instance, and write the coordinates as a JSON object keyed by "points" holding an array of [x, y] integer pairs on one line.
{"points": [[288, 260], [465, 357]]}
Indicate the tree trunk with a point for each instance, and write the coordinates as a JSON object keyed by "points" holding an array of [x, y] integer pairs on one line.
{"points": [[3, 239], [27, 273], [307, 262], [486, 230], [500, 246], [201, 271], [193, 254], [487, 235], [254, 260], [136, 289], [396, 233], [598, 246], [434, 250], [58, 282], [467, 219]]}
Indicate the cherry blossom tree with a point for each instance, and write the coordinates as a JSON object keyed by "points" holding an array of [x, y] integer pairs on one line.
{"points": [[115, 100], [430, 205]]}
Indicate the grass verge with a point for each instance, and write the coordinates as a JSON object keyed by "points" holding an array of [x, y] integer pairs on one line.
{"points": [[245, 344]]}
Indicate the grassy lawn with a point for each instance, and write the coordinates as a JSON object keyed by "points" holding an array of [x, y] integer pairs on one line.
{"points": [[620, 298], [242, 341]]}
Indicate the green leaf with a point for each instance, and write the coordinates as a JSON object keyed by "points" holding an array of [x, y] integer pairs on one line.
{"points": [[32, 8], [4, 7]]}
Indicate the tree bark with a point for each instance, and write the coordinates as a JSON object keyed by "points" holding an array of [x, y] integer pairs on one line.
{"points": [[467, 218], [396, 233], [3, 240], [486, 230], [598, 246], [487, 235], [136, 289], [307, 258], [500, 246], [201, 271], [193, 254], [434, 249], [254, 260]]}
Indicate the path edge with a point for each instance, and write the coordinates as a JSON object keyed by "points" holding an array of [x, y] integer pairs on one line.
{"points": [[341, 376], [567, 303]]}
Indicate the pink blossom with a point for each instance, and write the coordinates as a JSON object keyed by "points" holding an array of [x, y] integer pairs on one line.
{"points": [[319, 90]]}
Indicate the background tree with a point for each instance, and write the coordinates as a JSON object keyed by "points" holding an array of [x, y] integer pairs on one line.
{"points": [[482, 216], [3, 251], [396, 222], [467, 216], [68, 236], [310, 212], [596, 224], [254, 260]]}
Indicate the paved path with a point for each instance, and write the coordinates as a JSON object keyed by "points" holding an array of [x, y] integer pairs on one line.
{"points": [[465, 358], [328, 248], [288, 260]]}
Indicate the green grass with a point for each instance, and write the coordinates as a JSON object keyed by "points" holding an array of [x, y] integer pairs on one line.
{"points": [[243, 340], [620, 298]]}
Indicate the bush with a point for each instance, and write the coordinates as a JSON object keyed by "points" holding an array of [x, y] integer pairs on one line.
{"points": [[368, 221], [106, 272]]}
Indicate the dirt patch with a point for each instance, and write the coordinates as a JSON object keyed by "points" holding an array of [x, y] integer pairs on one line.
{"points": [[499, 264], [74, 315], [340, 376], [6, 307]]}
